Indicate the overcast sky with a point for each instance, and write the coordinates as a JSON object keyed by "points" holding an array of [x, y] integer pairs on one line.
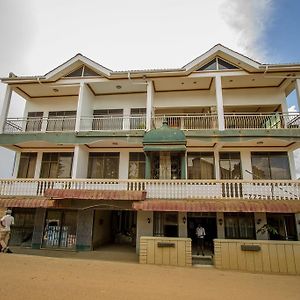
{"points": [[36, 36]]}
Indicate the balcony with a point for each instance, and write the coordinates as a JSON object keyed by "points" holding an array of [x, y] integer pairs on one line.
{"points": [[234, 121], [162, 189]]}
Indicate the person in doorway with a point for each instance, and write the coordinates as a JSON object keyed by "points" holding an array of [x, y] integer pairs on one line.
{"points": [[5, 224], [200, 234]]}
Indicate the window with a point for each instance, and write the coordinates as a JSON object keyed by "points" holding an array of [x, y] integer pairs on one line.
{"points": [[217, 64], [138, 118], [201, 165], [56, 165], [27, 165], [136, 165], [230, 165], [270, 165], [239, 226], [104, 165], [61, 121], [108, 119], [83, 72], [166, 224], [34, 121]]}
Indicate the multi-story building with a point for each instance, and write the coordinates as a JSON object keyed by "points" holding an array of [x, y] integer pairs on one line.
{"points": [[101, 155]]}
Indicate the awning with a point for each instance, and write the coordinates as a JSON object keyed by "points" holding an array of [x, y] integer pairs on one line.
{"points": [[95, 194], [26, 202], [275, 206], [171, 148]]}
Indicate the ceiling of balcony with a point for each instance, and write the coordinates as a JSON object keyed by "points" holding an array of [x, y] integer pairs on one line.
{"points": [[118, 87]]}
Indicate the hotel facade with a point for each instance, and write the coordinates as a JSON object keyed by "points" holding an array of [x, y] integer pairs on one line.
{"points": [[106, 157]]}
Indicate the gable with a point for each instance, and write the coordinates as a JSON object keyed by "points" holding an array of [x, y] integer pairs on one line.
{"points": [[83, 71], [217, 64]]}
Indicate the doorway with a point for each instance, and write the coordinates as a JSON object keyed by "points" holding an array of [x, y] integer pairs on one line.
{"points": [[209, 222]]}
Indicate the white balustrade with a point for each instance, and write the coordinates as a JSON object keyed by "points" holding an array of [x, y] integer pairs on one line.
{"points": [[162, 189]]}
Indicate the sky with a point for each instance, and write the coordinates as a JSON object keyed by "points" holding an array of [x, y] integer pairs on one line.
{"points": [[37, 36]]}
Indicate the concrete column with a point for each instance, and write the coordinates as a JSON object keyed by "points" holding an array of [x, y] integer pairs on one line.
{"points": [[124, 165], [5, 107], [182, 224], [38, 231], [85, 223], [246, 164], [126, 118], [297, 219], [217, 164], [260, 219], [149, 106], [16, 164], [220, 225], [144, 226], [79, 107], [38, 165], [292, 165], [148, 166], [183, 166], [298, 92], [219, 98], [45, 121], [80, 162]]}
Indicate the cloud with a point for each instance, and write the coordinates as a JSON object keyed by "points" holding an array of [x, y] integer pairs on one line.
{"points": [[292, 108], [249, 20]]}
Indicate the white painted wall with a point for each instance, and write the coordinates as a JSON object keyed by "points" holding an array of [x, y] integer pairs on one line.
{"points": [[80, 162]]}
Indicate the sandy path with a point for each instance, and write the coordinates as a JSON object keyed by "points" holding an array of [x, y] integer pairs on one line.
{"points": [[34, 277]]}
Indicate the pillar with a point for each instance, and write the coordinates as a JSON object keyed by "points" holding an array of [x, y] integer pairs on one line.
{"points": [[298, 92], [148, 166], [182, 224], [5, 108], [38, 165], [144, 226], [220, 225], [124, 165], [217, 164], [183, 166], [149, 106], [260, 219], [80, 162], [292, 165], [85, 223], [79, 107], [246, 165], [219, 98], [126, 118], [16, 164]]}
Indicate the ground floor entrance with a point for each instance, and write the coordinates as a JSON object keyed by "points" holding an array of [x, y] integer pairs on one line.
{"points": [[208, 222]]}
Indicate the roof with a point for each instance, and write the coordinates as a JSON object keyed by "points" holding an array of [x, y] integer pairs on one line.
{"points": [[28, 202]]}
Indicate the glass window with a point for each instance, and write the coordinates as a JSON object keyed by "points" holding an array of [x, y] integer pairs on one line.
{"points": [[230, 165], [61, 120], [34, 121], [104, 165], [201, 165], [165, 224], [56, 165], [212, 65], [137, 165], [76, 73], [27, 165], [270, 165], [239, 225], [108, 119], [224, 65]]}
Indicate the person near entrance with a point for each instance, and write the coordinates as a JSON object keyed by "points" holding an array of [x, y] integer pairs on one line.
{"points": [[200, 234], [5, 223]]}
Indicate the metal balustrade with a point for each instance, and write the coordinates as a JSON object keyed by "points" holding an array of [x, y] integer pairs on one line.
{"points": [[162, 189], [138, 122]]}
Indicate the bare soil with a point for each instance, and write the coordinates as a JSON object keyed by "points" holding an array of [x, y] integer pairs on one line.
{"points": [[37, 277]]}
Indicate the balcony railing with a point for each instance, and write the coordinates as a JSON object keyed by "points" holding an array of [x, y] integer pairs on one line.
{"points": [[188, 122], [112, 123], [262, 120], [162, 189], [138, 122], [21, 125]]}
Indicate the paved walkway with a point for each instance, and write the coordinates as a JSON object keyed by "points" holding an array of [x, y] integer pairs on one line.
{"points": [[42, 277]]}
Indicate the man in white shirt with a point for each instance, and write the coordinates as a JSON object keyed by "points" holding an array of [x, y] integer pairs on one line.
{"points": [[200, 234], [5, 224]]}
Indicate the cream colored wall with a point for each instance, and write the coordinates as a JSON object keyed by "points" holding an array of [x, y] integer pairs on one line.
{"points": [[51, 104], [259, 96], [102, 228], [180, 254], [120, 101], [273, 257], [182, 227], [182, 99], [80, 162], [143, 227]]}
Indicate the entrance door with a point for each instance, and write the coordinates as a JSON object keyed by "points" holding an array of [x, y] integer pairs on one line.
{"points": [[208, 222]]}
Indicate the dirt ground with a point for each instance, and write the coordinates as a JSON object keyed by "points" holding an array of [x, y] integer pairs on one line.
{"points": [[37, 277]]}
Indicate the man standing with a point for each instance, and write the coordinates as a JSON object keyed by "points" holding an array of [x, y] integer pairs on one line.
{"points": [[200, 234], [5, 223]]}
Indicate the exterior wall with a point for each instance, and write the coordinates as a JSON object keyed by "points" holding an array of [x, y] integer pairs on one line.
{"points": [[143, 227], [178, 253], [80, 162], [220, 225], [102, 228], [273, 257], [182, 226], [255, 96]]}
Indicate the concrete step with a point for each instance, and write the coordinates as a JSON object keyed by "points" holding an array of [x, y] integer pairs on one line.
{"points": [[202, 260]]}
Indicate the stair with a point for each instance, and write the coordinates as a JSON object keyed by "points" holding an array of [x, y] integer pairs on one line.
{"points": [[202, 260]]}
